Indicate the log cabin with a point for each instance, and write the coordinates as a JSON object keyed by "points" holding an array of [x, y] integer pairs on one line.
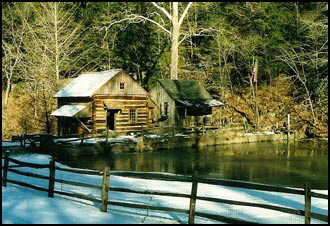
{"points": [[182, 103], [99, 101]]}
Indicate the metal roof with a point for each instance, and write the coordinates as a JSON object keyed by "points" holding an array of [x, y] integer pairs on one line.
{"points": [[86, 84], [68, 110]]}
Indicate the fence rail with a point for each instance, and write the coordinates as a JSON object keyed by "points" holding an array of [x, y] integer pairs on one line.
{"points": [[105, 188]]}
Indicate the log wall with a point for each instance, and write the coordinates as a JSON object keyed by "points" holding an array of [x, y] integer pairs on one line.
{"points": [[120, 95], [160, 96], [122, 103], [99, 116]]}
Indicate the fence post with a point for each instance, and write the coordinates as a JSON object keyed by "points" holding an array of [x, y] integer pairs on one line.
{"points": [[20, 140], [308, 202], [104, 190], [192, 204], [24, 141], [5, 170], [107, 138], [106, 124], [51, 184], [82, 137]]}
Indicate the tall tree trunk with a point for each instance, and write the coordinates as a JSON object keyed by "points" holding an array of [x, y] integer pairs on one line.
{"points": [[176, 23], [310, 102], [175, 41], [47, 122], [7, 91], [255, 80], [56, 44]]}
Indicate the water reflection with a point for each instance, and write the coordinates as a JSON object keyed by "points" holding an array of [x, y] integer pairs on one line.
{"points": [[277, 163]]}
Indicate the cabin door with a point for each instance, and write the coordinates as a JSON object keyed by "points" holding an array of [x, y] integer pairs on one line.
{"points": [[111, 118]]}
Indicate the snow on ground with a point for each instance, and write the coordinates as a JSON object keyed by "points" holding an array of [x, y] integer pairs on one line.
{"points": [[75, 142], [27, 206], [24, 205], [10, 144]]}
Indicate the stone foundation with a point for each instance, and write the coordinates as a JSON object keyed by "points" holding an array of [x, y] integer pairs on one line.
{"points": [[208, 138]]}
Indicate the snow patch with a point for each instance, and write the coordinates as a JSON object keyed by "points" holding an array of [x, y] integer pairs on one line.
{"points": [[24, 205]]}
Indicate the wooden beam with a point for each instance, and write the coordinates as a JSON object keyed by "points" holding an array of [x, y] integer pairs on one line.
{"points": [[104, 190], [51, 184], [83, 125], [193, 198], [123, 96], [308, 202], [5, 171]]}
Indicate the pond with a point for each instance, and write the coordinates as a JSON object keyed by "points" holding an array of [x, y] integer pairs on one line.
{"points": [[275, 163]]}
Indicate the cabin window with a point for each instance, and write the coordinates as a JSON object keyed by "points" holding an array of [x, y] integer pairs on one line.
{"points": [[166, 108], [122, 85], [132, 115]]}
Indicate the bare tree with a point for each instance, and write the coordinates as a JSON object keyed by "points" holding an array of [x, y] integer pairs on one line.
{"points": [[254, 87], [11, 59], [56, 31], [295, 61], [12, 43], [308, 60], [52, 48], [225, 41], [249, 51], [172, 28]]}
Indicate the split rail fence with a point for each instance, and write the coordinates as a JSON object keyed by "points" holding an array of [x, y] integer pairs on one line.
{"points": [[105, 188]]}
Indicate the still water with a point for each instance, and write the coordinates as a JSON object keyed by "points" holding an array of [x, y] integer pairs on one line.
{"points": [[275, 163]]}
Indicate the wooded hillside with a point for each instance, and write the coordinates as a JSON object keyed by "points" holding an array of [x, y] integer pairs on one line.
{"points": [[265, 59]]}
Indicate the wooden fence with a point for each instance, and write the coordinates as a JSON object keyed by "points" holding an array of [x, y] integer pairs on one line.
{"points": [[104, 187]]}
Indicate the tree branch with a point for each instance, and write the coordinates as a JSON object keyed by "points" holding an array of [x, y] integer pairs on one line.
{"points": [[200, 32], [163, 10], [184, 13], [154, 22], [133, 18]]}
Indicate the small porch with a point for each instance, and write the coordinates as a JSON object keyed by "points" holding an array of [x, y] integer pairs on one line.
{"points": [[73, 119]]}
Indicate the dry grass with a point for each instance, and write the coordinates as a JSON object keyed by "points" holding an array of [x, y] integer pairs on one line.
{"points": [[11, 124], [274, 104], [19, 117]]}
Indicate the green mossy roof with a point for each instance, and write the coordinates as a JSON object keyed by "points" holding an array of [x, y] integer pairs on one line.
{"points": [[189, 90]]}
